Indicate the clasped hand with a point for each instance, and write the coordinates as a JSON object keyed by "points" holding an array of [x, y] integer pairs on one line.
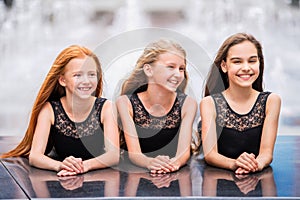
{"points": [[163, 164], [246, 163], [71, 166]]}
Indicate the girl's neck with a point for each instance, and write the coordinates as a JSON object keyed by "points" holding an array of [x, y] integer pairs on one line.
{"points": [[241, 100], [78, 109], [240, 94], [157, 103]]}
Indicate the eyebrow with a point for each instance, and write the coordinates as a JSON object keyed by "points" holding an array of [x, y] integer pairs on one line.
{"points": [[233, 58]]}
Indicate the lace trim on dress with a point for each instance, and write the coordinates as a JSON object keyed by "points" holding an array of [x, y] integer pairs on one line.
{"points": [[145, 120], [67, 127], [226, 117]]}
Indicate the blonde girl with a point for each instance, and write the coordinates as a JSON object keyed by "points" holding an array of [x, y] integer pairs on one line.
{"points": [[156, 115]]}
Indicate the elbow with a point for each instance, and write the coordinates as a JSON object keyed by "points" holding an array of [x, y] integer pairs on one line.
{"points": [[115, 157], [208, 160], [269, 160], [31, 159]]}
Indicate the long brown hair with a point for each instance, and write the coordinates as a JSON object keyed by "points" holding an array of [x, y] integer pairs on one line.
{"points": [[217, 80], [52, 90], [138, 81]]}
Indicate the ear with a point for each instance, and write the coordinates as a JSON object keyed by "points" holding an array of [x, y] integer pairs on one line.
{"points": [[62, 81], [224, 66], [148, 70]]}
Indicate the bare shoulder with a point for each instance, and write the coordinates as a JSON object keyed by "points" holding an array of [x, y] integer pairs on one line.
{"points": [[46, 113], [47, 109], [273, 103], [189, 107], [122, 100], [123, 105], [275, 98], [190, 102], [207, 101], [107, 104]]}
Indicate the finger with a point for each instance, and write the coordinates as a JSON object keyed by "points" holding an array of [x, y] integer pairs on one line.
{"points": [[66, 173], [250, 158], [246, 163], [160, 164], [241, 171], [73, 163]]}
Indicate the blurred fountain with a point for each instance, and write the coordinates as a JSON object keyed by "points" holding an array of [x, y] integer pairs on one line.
{"points": [[33, 32]]}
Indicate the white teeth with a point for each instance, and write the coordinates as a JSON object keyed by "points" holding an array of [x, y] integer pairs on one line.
{"points": [[174, 82], [84, 89], [245, 76]]}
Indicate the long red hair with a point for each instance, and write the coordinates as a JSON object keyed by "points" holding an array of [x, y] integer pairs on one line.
{"points": [[52, 90]]}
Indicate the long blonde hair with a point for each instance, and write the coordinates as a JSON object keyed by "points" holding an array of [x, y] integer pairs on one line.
{"points": [[52, 90], [137, 81]]}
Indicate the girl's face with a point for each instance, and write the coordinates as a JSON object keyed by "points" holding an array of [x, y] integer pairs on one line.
{"points": [[242, 64], [80, 77], [168, 71]]}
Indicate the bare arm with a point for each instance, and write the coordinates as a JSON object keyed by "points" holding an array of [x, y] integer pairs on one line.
{"points": [[269, 131], [209, 136], [185, 134], [40, 140], [131, 137]]}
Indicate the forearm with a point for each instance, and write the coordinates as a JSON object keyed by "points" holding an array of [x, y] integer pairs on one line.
{"points": [[264, 160], [140, 159], [221, 161], [44, 162], [105, 160], [181, 159]]}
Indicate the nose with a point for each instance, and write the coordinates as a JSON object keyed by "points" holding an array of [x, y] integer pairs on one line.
{"points": [[246, 66], [85, 78], [177, 72]]}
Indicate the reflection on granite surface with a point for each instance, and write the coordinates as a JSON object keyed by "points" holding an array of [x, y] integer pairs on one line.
{"points": [[109, 182], [39, 183], [8, 187], [196, 180], [218, 182], [145, 184]]}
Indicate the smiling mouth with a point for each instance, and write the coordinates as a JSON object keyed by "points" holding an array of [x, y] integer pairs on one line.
{"points": [[245, 75], [174, 82], [85, 88]]}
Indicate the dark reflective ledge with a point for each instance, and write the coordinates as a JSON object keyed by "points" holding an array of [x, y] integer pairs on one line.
{"points": [[194, 181]]}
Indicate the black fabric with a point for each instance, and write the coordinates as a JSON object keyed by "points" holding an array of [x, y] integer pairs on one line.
{"points": [[84, 139], [239, 133], [157, 135]]}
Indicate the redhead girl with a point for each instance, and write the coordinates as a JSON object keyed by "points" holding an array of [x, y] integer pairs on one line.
{"points": [[239, 119], [70, 120]]}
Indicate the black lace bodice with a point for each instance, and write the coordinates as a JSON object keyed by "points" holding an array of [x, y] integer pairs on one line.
{"points": [[226, 117], [239, 133], [157, 135], [144, 119], [79, 139]]}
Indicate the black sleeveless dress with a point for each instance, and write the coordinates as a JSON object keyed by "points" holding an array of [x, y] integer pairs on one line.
{"points": [[157, 135], [239, 133], [83, 140]]}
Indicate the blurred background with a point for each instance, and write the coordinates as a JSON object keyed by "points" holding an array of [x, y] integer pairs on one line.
{"points": [[33, 32]]}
